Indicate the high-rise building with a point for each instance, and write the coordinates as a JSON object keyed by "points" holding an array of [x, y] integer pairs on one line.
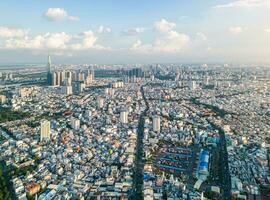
{"points": [[89, 79], [109, 91], [49, 71], [80, 76], [75, 123], [192, 85], [156, 124], [62, 77], [57, 78], [3, 99], [206, 80], [124, 116], [67, 81], [100, 102], [78, 87], [67, 89], [45, 130], [9, 76]]}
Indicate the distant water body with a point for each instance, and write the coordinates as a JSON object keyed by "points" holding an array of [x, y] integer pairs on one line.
{"points": [[19, 66]]}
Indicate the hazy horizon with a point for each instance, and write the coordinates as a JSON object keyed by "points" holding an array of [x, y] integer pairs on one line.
{"points": [[235, 31]]}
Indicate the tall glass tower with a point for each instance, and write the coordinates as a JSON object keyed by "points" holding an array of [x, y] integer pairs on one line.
{"points": [[49, 71]]}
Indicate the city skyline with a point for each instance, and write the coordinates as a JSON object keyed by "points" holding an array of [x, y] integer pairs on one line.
{"points": [[109, 32], [135, 99]]}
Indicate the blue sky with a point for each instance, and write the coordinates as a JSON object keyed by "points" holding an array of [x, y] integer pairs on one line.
{"points": [[141, 31]]}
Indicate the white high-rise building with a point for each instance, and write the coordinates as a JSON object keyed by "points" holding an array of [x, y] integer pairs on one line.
{"points": [[75, 123], [156, 124], [45, 130], [100, 102], [89, 79], [192, 85], [124, 116], [206, 80], [56, 78]]}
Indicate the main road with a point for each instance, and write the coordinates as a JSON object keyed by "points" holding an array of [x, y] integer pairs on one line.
{"points": [[224, 163], [138, 169]]}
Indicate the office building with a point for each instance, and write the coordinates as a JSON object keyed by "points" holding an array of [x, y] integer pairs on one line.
{"points": [[49, 71]]}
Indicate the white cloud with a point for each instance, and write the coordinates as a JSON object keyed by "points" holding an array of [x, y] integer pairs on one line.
{"points": [[164, 26], [73, 18], [88, 41], [6, 32], [201, 36], [57, 41], [169, 43], [140, 47], [59, 14], [172, 42], [244, 3], [267, 30], [48, 40], [236, 30], [134, 31], [102, 29]]}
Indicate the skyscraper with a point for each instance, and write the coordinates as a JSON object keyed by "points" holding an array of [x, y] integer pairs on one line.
{"points": [[45, 130], [49, 71], [56, 78]]}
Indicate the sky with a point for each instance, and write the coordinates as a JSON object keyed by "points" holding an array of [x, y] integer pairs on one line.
{"points": [[135, 31]]}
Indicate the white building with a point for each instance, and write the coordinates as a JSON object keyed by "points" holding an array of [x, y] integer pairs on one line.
{"points": [[124, 116], [100, 102], [192, 85], [206, 80], [88, 113], [45, 130], [75, 123], [156, 124]]}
